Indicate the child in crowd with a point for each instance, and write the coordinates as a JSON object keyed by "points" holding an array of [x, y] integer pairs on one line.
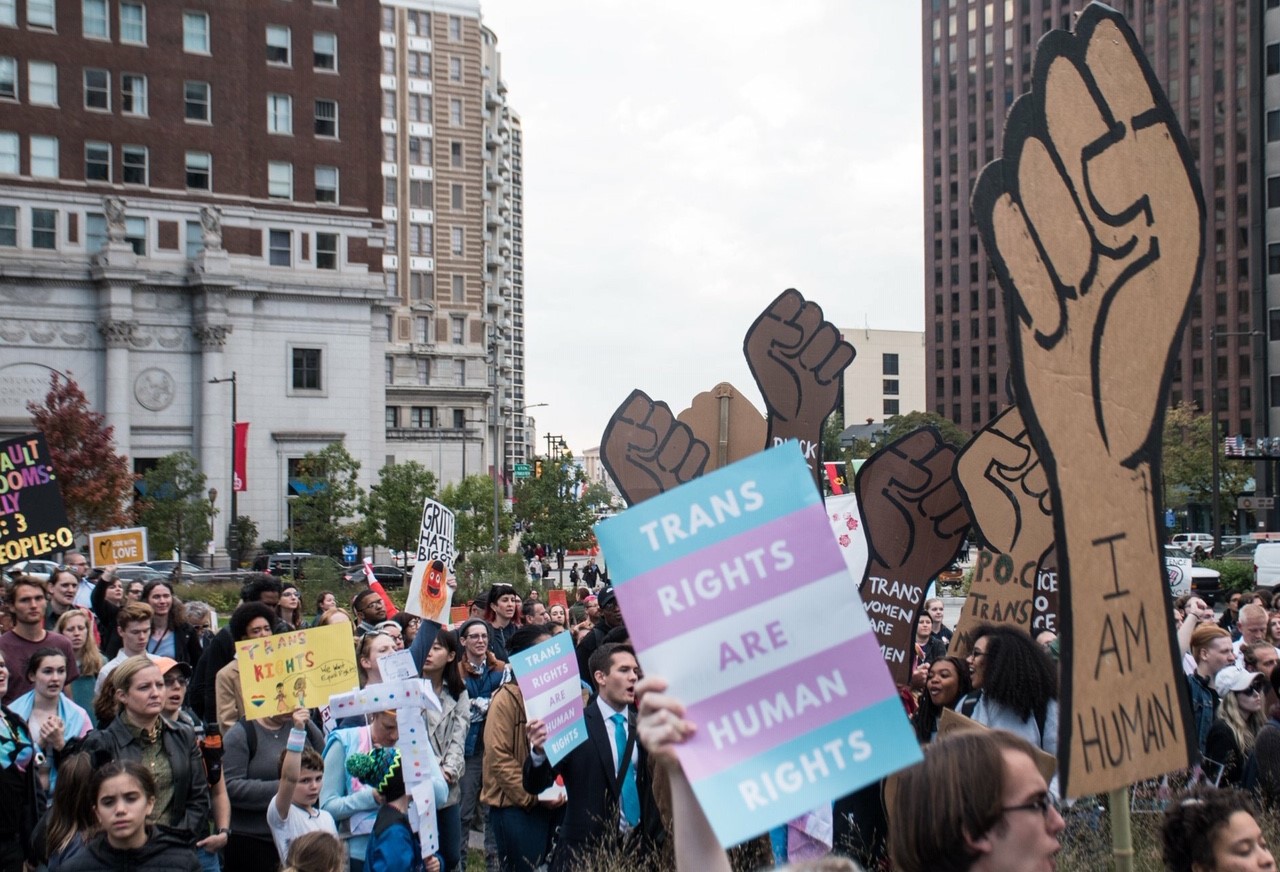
{"points": [[316, 852], [393, 846], [294, 812]]}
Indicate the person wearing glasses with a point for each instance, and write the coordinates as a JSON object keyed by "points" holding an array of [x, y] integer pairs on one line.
{"points": [[482, 673], [1015, 686], [79, 566], [1233, 733]]}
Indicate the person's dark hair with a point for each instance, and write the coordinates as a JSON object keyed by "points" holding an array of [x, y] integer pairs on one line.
{"points": [[1190, 824], [245, 614], [315, 852], [526, 637], [112, 768], [1017, 672], [1265, 595], [311, 759], [41, 654], [601, 659], [950, 799], [177, 617], [926, 717], [24, 581], [259, 584], [71, 811], [358, 600], [404, 619], [320, 597], [452, 677], [529, 607], [619, 635]]}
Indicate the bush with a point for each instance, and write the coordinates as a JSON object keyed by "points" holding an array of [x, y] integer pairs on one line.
{"points": [[1237, 575], [483, 569]]}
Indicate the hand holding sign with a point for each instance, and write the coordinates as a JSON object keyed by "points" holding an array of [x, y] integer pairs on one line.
{"points": [[647, 451], [915, 524], [796, 357], [1093, 222]]}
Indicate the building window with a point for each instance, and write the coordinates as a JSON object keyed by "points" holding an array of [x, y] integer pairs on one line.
{"points": [[419, 106], [97, 89], [393, 417], [459, 419], [455, 197], [424, 372], [455, 241], [421, 239], [455, 28], [195, 32], [889, 364], [133, 164], [133, 94], [1273, 58], [390, 374], [279, 113], [418, 64], [890, 408], [326, 251], [326, 184], [97, 162], [280, 248], [133, 23], [44, 228], [422, 418], [9, 12], [455, 111], [891, 387], [135, 233], [196, 101], [199, 171], [8, 78], [279, 180], [42, 83], [388, 147], [278, 40], [94, 18], [306, 363], [9, 159], [459, 289], [422, 288], [194, 239], [9, 226], [419, 151], [327, 118], [455, 154], [42, 13], [458, 329], [455, 69], [1273, 125], [424, 329], [460, 373], [324, 48], [1273, 259], [419, 194], [44, 157]]}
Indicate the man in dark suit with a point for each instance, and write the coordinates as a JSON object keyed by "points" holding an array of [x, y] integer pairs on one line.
{"points": [[611, 806]]}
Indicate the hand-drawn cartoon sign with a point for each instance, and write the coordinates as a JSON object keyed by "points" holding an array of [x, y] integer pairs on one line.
{"points": [[33, 521], [282, 672], [1093, 221], [726, 421], [429, 592], [915, 525], [647, 451], [796, 358], [1004, 488]]}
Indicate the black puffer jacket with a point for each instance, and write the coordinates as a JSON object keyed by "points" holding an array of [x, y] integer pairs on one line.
{"points": [[165, 851]]}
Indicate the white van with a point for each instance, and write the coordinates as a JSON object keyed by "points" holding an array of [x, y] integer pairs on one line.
{"points": [[1266, 564]]}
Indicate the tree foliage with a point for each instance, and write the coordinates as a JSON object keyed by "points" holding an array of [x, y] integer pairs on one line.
{"points": [[472, 502], [395, 504], [243, 538], [330, 508], [549, 506], [175, 506], [1187, 467], [898, 426], [95, 481]]}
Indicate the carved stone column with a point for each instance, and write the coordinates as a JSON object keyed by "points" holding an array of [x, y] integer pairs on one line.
{"points": [[215, 426], [118, 334]]}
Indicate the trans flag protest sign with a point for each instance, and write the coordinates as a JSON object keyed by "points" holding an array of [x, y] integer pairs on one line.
{"points": [[734, 590], [548, 678]]}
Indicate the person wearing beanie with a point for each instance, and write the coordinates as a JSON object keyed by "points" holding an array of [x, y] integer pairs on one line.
{"points": [[393, 847]]}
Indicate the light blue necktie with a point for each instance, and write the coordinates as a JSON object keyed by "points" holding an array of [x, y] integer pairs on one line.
{"points": [[630, 797]]}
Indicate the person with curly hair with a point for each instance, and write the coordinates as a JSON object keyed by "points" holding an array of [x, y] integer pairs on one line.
{"points": [[1015, 686], [947, 684], [1214, 830]]}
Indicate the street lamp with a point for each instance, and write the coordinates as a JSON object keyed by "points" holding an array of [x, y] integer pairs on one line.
{"points": [[231, 518], [1213, 428]]}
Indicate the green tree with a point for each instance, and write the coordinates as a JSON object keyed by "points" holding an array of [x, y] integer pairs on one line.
{"points": [[175, 506], [330, 508], [898, 426], [549, 506], [96, 483], [472, 502], [1187, 467], [395, 504], [244, 538], [598, 496]]}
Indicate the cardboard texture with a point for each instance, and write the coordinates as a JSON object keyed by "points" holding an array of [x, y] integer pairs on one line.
{"points": [[1006, 493], [952, 721], [1093, 222], [430, 595], [33, 520], [727, 422], [646, 451], [796, 358], [915, 524]]}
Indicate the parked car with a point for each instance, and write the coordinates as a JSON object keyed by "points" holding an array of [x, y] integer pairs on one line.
{"points": [[1243, 552], [389, 576], [39, 569], [1266, 564], [280, 563], [166, 566], [1184, 578], [319, 566], [1196, 543], [139, 572]]}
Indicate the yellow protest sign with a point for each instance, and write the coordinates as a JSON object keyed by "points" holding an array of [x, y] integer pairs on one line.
{"points": [[118, 546], [303, 668]]}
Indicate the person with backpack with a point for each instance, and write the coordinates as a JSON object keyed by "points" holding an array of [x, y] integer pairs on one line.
{"points": [[1015, 686]]}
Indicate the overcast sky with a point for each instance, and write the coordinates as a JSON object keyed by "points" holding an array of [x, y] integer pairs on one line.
{"points": [[687, 160]]}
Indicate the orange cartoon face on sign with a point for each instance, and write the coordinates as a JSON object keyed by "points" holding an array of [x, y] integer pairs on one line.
{"points": [[432, 596]]}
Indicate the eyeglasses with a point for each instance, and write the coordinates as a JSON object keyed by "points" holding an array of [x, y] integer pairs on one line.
{"points": [[175, 681], [476, 637], [1042, 804], [974, 655], [1251, 690]]}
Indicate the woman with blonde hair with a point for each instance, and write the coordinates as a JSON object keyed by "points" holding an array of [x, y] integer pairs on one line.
{"points": [[316, 852], [1240, 717], [74, 624]]}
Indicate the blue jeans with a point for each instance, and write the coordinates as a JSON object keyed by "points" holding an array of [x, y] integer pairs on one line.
{"points": [[209, 860], [521, 837], [449, 826]]}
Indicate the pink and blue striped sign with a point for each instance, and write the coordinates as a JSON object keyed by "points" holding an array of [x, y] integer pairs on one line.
{"points": [[548, 678], [734, 590]]}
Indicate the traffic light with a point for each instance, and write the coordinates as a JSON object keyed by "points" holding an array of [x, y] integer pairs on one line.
{"points": [[537, 469]]}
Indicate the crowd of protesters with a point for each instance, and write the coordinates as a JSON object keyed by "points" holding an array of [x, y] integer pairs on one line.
{"points": [[124, 743]]}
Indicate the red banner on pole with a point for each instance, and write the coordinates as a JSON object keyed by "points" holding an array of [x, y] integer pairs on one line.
{"points": [[240, 455]]}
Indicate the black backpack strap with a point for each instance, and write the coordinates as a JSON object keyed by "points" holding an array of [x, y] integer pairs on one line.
{"points": [[250, 736]]}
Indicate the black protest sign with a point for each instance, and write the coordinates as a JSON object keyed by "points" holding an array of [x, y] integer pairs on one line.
{"points": [[33, 521]]}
